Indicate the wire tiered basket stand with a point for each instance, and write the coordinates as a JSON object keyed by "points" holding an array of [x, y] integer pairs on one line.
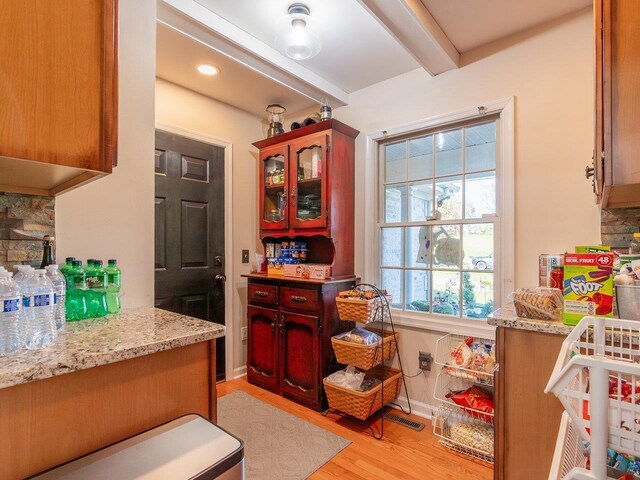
{"points": [[597, 380], [368, 407], [452, 379]]}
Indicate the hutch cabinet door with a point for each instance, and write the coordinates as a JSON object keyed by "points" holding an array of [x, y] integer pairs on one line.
{"points": [[299, 354], [274, 184], [308, 173], [262, 350]]}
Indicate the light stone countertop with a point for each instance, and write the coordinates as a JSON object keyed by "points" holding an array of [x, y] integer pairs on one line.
{"points": [[91, 343], [506, 317]]}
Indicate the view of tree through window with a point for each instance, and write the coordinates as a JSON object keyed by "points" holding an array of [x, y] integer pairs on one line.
{"points": [[437, 220]]}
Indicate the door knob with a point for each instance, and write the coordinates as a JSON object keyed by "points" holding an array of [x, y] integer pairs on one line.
{"points": [[220, 278]]}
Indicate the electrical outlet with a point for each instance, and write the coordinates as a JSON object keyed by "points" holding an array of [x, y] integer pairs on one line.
{"points": [[424, 361], [245, 256], [243, 333]]}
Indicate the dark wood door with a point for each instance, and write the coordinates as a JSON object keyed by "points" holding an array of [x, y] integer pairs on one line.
{"points": [[308, 174], [299, 353], [262, 347], [189, 231]]}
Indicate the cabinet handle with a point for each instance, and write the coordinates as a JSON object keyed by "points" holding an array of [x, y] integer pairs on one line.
{"points": [[273, 327], [281, 328], [262, 294], [589, 171], [298, 299]]}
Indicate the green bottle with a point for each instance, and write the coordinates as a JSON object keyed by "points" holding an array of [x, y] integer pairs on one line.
{"points": [[67, 265], [76, 302], [114, 279], [96, 293], [88, 270]]}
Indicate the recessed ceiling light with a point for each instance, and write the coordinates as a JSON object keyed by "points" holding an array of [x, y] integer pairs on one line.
{"points": [[209, 70]]}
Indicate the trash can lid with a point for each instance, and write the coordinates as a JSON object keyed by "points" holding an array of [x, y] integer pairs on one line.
{"points": [[187, 447]]}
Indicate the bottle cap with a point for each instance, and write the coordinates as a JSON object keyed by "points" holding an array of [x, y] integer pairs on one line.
{"points": [[41, 271], [51, 267], [69, 259], [48, 238], [77, 263], [112, 261], [97, 263]]}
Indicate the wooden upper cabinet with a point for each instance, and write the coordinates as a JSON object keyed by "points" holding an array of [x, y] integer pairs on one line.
{"points": [[617, 157], [58, 92]]}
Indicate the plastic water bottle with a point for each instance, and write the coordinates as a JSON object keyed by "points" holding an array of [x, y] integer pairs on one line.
{"points": [[60, 285], [76, 301], [23, 272], [10, 315], [96, 295], [38, 302], [114, 280]]}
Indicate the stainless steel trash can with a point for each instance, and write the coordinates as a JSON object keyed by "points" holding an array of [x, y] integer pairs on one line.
{"points": [[189, 447]]}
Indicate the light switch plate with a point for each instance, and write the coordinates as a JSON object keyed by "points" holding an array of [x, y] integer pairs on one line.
{"points": [[245, 256], [243, 333]]}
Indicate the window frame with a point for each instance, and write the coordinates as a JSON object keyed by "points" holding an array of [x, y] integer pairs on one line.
{"points": [[503, 221]]}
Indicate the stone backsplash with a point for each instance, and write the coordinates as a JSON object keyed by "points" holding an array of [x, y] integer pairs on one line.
{"points": [[618, 226], [24, 220]]}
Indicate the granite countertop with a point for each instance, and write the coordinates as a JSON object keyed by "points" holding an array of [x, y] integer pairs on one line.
{"points": [[91, 343], [506, 317]]}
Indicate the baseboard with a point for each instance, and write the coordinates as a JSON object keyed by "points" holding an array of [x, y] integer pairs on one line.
{"points": [[239, 372], [420, 409]]}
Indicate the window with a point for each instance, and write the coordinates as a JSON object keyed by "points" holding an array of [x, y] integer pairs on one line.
{"points": [[438, 226]]}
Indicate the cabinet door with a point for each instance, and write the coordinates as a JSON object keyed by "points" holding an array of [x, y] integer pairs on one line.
{"points": [[308, 173], [58, 91], [262, 347], [598, 151], [274, 188], [299, 356]]}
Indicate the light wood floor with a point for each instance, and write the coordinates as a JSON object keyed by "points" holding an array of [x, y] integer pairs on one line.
{"points": [[402, 453]]}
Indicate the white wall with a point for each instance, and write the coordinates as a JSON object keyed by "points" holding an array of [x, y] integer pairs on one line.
{"points": [[113, 217], [187, 110], [551, 75]]}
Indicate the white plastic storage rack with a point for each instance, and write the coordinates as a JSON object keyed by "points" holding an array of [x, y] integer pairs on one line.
{"points": [[452, 378], [600, 355]]}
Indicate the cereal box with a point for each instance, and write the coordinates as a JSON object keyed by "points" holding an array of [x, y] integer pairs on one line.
{"points": [[593, 249], [302, 270], [588, 286]]}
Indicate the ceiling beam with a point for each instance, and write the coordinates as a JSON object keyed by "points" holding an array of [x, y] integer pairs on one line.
{"points": [[411, 24], [201, 24]]}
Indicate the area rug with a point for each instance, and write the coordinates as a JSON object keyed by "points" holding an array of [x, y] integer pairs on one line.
{"points": [[278, 445]]}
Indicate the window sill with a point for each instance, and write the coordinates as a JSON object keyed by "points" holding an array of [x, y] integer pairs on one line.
{"points": [[440, 323]]}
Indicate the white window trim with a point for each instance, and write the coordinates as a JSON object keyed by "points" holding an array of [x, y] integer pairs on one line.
{"points": [[505, 191]]}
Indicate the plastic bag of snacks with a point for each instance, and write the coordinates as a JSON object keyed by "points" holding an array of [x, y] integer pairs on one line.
{"points": [[538, 303], [474, 400], [355, 294], [359, 335], [475, 357], [350, 378], [474, 435]]}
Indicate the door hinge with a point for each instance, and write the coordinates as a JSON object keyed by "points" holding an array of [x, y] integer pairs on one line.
{"points": [[602, 154]]}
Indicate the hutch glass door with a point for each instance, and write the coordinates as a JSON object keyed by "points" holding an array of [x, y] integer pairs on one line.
{"points": [[308, 175], [274, 176]]}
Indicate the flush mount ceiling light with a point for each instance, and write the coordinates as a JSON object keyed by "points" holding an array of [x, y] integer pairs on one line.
{"points": [[295, 37], [208, 70]]}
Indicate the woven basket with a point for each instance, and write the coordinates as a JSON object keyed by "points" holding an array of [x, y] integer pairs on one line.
{"points": [[365, 357], [363, 404], [363, 311]]}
